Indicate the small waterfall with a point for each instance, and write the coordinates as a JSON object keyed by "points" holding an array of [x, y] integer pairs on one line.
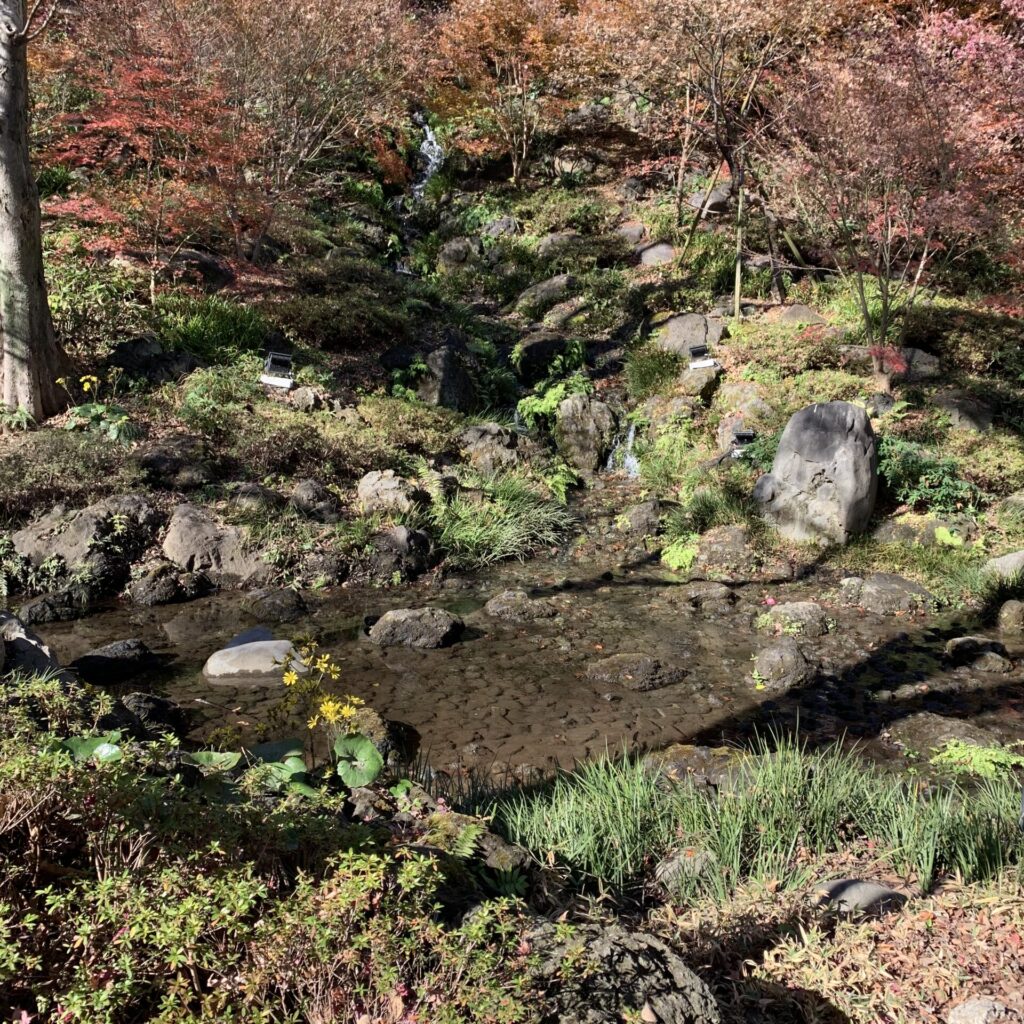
{"points": [[622, 456], [431, 157]]}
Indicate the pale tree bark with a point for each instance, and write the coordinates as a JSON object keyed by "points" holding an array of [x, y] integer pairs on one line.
{"points": [[30, 359]]}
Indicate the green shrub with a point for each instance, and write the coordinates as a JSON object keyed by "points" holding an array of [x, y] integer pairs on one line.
{"points": [[540, 408], [917, 477], [649, 371], [213, 329], [213, 400], [54, 180]]}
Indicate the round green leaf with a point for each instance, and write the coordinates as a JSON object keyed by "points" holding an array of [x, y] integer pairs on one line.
{"points": [[359, 761]]}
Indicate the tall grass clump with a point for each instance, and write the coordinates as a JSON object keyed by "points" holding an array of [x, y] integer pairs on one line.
{"points": [[610, 822], [505, 518], [211, 328]]}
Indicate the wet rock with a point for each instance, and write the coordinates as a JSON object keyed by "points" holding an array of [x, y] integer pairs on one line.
{"points": [[783, 665], [856, 897], [885, 593], [965, 411], [710, 598], [306, 399], [490, 447], [962, 650], [387, 492], [115, 662], [22, 650], [416, 627], [725, 555], [678, 334], [535, 353], [258, 658], [180, 463], [274, 606], [643, 519], [518, 606], [616, 975], [448, 382], [542, 296], [197, 542], [313, 499], [638, 672], [803, 617], [1011, 618], [104, 537], [66, 605], [700, 382], [926, 731], [1006, 567], [584, 432], [981, 1010], [153, 716], [657, 255], [824, 479], [159, 582], [402, 551]]}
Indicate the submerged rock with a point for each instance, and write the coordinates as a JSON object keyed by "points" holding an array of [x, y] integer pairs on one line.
{"points": [[634, 671], [824, 479], [416, 627], [23, 651], [518, 606], [160, 582], [1011, 618], [115, 662], [804, 617]]}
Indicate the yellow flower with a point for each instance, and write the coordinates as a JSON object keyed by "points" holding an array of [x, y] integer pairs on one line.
{"points": [[313, 722], [291, 677], [348, 712], [323, 663], [332, 710], [356, 702]]}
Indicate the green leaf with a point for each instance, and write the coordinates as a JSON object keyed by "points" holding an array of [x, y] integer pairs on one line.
{"points": [[359, 761], [103, 748], [215, 760]]}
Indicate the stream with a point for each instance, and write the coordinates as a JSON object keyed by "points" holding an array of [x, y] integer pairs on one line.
{"points": [[517, 694]]}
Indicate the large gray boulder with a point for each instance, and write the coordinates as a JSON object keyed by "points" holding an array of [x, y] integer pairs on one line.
{"points": [[23, 651], [824, 479], [197, 542], [1006, 567], [105, 536], [584, 432], [540, 297], [490, 447], [448, 382]]}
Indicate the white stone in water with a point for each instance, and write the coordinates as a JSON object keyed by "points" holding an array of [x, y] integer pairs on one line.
{"points": [[260, 658]]}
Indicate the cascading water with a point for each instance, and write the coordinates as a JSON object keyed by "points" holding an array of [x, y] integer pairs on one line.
{"points": [[622, 456], [431, 158]]}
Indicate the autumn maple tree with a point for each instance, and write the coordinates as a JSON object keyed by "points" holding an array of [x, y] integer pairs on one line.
{"points": [[30, 359], [495, 69], [893, 156]]}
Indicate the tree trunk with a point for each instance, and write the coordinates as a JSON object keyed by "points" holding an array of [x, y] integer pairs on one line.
{"points": [[30, 359]]}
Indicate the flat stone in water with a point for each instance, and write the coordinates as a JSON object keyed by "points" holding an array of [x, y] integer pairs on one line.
{"points": [[634, 671], [260, 658]]}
